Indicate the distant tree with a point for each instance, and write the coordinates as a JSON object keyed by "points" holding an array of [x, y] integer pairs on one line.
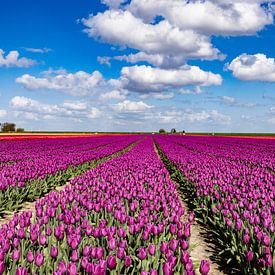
{"points": [[8, 127], [20, 130], [183, 131], [162, 131], [173, 131]]}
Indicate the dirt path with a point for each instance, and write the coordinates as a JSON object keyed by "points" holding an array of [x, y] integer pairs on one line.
{"points": [[201, 249]]}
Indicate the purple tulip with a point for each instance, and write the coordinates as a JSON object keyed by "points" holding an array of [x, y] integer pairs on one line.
{"points": [[174, 244], [39, 259], [249, 256], [15, 255], [167, 269], [111, 262], [30, 256], [127, 261], [86, 250], [204, 267], [164, 247], [54, 251], [21, 271], [74, 256], [154, 272], [112, 244], [152, 249], [142, 254], [72, 269]]}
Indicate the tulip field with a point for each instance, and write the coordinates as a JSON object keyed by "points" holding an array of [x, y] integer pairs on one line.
{"points": [[125, 204]]}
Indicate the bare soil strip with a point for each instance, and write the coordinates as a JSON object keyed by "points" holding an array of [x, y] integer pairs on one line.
{"points": [[200, 248]]}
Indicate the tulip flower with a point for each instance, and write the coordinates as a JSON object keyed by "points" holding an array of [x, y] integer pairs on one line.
{"points": [[111, 262], [204, 267], [39, 259], [15, 255]]}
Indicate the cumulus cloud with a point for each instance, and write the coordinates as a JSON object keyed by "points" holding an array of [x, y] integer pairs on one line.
{"points": [[121, 27], [12, 59], [131, 106], [148, 79], [211, 17], [114, 94], [113, 3], [256, 67], [34, 109], [191, 116], [3, 113], [77, 84], [38, 50]]}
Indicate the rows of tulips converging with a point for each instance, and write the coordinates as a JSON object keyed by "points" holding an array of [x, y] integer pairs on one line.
{"points": [[123, 217], [51, 156], [234, 185]]}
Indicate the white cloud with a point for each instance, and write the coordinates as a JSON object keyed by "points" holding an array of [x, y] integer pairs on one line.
{"points": [[77, 106], [94, 113], [122, 28], [232, 17], [191, 116], [12, 59], [113, 3], [27, 115], [197, 90], [115, 94], [3, 113], [159, 96], [228, 99], [272, 110], [33, 109], [131, 106], [38, 50], [104, 60], [253, 68], [148, 79], [76, 84]]}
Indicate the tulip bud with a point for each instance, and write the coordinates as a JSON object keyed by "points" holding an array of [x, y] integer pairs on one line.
{"points": [[74, 256], [249, 256], [174, 244], [142, 253], [86, 250], [72, 269], [30, 256], [111, 262], [127, 261], [21, 271], [204, 267], [152, 249], [54, 251], [164, 247], [167, 269], [15, 255], [39, 259]]}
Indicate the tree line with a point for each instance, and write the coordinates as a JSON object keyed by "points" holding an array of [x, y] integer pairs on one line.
{"points": [[9, 127]]}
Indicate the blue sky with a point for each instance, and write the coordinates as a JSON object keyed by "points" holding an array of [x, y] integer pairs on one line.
{"points": [[115, 65]]}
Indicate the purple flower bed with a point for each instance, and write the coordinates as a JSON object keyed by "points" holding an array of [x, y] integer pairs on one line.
{"points": [[233, 182], [47, 157], [123, 217]]}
